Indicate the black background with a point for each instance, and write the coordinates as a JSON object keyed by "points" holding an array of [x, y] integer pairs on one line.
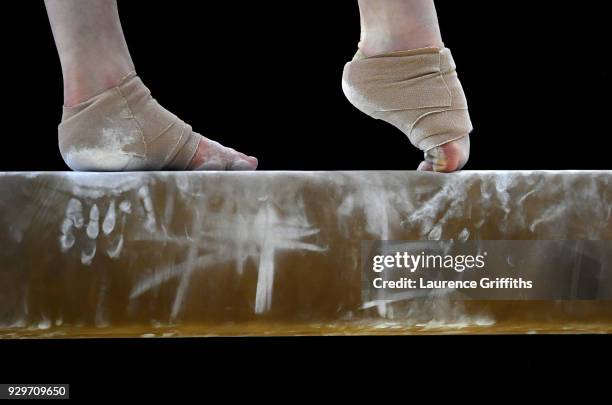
{"points": [[264, 77], [316, 370]]}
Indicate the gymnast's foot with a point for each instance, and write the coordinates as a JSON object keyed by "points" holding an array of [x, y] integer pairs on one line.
{"points": [[123, 128], [110, 122], [418, 92], [403, 74]]}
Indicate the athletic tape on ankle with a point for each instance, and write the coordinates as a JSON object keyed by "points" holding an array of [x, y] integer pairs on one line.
{"points": [[124, 128], [417, 91]]}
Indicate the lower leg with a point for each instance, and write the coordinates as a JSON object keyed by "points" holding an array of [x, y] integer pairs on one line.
{"points": [[402, 25], [91, 46], [398, 25], [112, 123]]}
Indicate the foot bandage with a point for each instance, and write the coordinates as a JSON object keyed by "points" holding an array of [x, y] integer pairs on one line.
{"points": [[417, 91], [124, 128]]}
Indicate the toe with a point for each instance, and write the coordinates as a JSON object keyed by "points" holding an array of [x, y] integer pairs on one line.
{"points": [[240, 161], [449, 157], [211, 155], [425, 166], [251, 160], [241, 164]]}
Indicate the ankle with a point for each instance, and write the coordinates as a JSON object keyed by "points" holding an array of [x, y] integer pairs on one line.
{"points": [[381, 42], [83, 81]]}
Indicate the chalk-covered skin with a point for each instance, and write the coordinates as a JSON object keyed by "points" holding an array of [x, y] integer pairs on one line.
{"points": [[211, 155], [400, 25], [95, 57]]}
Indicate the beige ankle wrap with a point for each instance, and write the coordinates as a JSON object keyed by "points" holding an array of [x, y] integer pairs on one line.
{"points": [[124, 128], [417, 91]]}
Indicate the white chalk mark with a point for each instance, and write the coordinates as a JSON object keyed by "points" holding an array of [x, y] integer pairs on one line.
{"points": [[375, 200], [109, 220], [276, 236], [114, 252], [265, 279], [168, 212], [87, 257], [145, 196], [168, 273], [435, 233], [108, 154], [97, 185], [376, 211], [44, 324], [192, 257], [73, 219], [549, 215], [74, 211], [398, 297], [67, 238], [463, 235], [234, 239], [93, 227], [125, 206]]}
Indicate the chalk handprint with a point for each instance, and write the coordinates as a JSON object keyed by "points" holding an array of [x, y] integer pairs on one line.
{"points": [[98, 225]]}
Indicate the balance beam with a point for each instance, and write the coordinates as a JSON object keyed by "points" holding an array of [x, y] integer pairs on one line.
{"points": [[277, 253]]}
